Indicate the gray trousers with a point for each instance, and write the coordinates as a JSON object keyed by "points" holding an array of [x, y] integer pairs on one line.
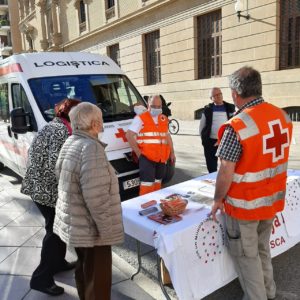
{"points": [[248, 243]]}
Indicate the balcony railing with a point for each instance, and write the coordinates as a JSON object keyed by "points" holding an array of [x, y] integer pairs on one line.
{"points": [[4, 23], [110, 12], [4, 46], [82, 27], [3, 2]]}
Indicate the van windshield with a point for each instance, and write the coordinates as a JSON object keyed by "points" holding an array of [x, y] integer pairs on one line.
{"points": [[114, 94]]}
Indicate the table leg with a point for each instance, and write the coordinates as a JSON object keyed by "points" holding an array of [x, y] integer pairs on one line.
{"points": [[160, 279], [139, 256], [138, 251]]}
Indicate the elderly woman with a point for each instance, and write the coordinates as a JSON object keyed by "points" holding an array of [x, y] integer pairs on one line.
{"points": [[41, 185], [88, 210]]}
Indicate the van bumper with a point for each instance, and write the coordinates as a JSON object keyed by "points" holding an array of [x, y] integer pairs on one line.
{"points": [[128, 193]]}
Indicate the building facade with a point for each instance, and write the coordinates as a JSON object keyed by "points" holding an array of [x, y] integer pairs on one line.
{"points": [[5, 32], [177, 48]]}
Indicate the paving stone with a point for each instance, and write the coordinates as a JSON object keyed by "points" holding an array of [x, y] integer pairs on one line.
{"points": [[21, 262], [14, 287], [16, 236]]}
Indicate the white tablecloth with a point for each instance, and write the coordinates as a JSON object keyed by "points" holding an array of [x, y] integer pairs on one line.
{"points": [[193, 249]]}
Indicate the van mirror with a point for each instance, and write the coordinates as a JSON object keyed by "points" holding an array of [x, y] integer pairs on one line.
{"points": [[19, 120]]}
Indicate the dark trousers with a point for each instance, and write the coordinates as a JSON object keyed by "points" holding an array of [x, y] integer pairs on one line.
{"points": [[93, 273], [52, 254], [151, 170], [210, 155]]}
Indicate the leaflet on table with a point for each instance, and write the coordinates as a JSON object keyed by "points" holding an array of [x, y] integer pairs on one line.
{"points": [[160, 217]]}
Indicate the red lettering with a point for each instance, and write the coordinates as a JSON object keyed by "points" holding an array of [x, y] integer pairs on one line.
{"points": [[276, 223], [272, 244], [277, 242]]}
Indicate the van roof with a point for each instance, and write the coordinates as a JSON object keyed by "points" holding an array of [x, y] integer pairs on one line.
{"points": [[46, 64]]}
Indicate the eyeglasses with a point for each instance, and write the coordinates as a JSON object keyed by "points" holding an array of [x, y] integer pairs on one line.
{"points": [[216, 95]]}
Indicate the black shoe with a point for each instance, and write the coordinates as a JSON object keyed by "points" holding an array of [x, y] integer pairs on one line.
{"points": [[53, 290], [67, 266]]}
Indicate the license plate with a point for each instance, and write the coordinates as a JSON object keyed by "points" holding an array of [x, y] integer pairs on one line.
{"points": [[131, 183]]}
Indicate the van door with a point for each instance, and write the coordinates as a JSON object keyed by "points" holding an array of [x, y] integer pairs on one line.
{"points": [[23, 141], [7, 143]]}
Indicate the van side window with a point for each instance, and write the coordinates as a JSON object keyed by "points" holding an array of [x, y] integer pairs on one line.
{"points": [[4, 105], [123, 92], [20, 99]]}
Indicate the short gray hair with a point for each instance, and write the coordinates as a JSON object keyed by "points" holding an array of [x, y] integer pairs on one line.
{"points": [[246, 81], [83, 114], [212, 89]]}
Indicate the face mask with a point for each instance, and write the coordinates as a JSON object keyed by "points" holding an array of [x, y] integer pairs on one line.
{"points": [[139, 109], [155, 111], [100, 135]]}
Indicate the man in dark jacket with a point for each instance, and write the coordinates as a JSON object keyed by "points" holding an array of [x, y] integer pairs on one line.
{"points": [[213, 116]]}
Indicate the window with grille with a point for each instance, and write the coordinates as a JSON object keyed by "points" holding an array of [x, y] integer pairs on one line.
{"points": [[209, 37], [114, 53], [110, 3], [152, 47], [289, 34], [49, 21], [82, 16], [110, 9]]}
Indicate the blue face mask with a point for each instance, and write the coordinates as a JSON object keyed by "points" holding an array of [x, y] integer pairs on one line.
{"points": [[139, 109], [155, 111]]}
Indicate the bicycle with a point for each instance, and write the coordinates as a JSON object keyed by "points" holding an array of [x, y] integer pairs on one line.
{"points": [[173, 126], [173, 123]]}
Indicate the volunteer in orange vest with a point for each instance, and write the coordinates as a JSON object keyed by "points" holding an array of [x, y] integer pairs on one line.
{"points": [[250, 187], [149, 138]]}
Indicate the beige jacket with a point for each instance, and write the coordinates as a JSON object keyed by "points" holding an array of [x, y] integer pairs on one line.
{"points": [[88, 209]]}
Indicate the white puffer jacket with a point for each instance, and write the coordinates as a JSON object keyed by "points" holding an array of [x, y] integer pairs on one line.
{"points": [[88, 209]]}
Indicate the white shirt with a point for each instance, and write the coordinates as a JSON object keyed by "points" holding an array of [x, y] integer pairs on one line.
{"points": [[219, 118], [137, 124]]}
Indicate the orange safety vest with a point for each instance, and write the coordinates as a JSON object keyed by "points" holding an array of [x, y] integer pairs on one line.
{"points": [[257, 191], [152, 138]]}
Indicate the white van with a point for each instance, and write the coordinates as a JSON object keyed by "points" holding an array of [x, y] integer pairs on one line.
{"points": [[32, 83]]}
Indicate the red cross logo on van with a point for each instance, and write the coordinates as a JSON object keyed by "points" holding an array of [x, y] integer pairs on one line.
{"points": [[121, 134], [276, 140]]}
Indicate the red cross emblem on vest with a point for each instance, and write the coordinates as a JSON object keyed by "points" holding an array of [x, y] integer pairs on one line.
{"points": [[121, 134], [276, 140]]}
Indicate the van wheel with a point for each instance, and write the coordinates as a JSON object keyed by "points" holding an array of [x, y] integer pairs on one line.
{"points": [[170, 170]]}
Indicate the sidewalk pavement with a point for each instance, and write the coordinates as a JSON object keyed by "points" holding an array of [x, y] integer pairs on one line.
{"points": [[21, 234]]}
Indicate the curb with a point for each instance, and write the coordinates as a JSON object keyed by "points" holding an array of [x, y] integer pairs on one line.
{"points": [[149, 286]]}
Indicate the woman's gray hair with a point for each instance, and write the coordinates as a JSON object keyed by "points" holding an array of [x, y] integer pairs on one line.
{"points": [[246, 81], [82, 115]]}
